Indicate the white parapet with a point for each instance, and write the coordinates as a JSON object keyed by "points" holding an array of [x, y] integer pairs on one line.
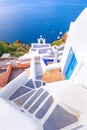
{"points": [[32, 68], [53, 66]]}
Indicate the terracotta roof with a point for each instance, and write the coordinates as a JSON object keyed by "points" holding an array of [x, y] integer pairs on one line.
{"points": [[53, 75]]}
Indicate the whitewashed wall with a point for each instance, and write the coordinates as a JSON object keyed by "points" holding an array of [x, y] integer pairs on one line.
{"points": [[77, 38]]}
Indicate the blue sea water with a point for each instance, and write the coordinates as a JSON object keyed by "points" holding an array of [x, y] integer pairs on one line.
{"points": [[27, 20]]}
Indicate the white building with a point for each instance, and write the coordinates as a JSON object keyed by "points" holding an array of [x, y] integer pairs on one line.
{"points": [[41, 47]]}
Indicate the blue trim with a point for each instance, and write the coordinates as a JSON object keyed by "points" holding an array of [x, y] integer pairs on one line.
{"points": [[47, 60], [70, 64]]}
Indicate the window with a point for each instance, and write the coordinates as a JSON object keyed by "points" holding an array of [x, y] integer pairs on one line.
{"points": [[70, 64]]}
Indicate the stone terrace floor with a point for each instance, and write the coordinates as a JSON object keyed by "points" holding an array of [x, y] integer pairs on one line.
{"points": [[53, 76]]}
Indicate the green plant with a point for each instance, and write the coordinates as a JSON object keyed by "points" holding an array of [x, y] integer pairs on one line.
{"points": [[3, 47], [21, 49], [57, 42]]}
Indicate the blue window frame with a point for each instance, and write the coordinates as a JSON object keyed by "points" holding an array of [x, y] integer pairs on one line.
{"points": [[70, 64]]}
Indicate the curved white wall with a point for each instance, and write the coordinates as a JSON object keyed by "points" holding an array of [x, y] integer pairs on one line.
{"points": [[78, 34], [77, 39]]}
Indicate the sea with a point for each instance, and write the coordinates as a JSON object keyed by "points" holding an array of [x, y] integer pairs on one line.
{"points": [[26, 20]]}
